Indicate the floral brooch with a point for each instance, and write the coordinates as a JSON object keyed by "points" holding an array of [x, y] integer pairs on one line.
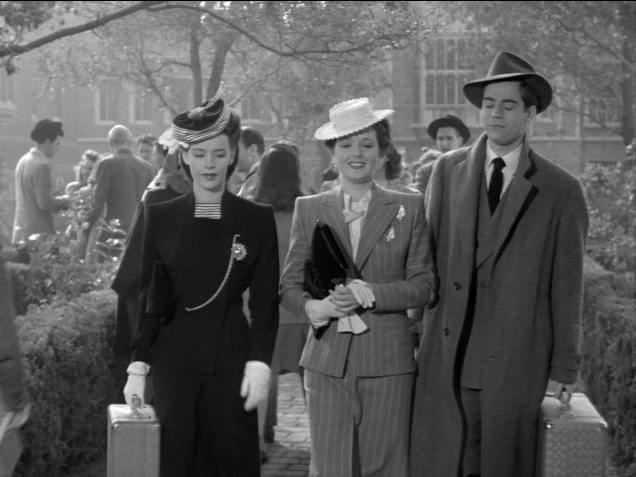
{"points": [[239, 252], [401, 213]]}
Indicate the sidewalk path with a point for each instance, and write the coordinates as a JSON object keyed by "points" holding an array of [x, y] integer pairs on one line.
{"points": [[289, 455]]}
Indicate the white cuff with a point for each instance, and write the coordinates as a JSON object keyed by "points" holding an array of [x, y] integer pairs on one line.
{"points": [[138, 368]]}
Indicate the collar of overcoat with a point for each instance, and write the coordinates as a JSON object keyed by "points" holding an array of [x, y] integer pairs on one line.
{"points": [[383, 208], [467, 180]]}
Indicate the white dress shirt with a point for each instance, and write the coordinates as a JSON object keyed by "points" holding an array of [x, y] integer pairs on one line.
{"points": [[512, 161]]}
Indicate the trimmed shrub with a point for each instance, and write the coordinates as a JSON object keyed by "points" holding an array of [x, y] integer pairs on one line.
{"points": [[68, 354], [609, 358]]}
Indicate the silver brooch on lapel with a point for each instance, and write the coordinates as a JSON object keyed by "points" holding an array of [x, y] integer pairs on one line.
{"points": [[239, 252], [401, 213], [391, 234]]}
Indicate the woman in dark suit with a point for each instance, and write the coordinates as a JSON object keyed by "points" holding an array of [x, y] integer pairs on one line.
{"points": [[210, 366], [359, 361]]}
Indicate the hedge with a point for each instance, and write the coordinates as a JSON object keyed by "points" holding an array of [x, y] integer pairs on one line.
{"points": [[68, 356], [609, 359]]}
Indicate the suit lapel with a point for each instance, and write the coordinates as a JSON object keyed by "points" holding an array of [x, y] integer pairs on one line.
{"points": [[331, 207], [382, 210], [517, 194]]}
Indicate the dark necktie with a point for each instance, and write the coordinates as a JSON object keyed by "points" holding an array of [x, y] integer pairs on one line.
{"points": [[496, 183]]}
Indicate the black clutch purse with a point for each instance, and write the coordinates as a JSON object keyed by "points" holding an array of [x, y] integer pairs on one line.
{"points": [[329, 266], [161, 299]]}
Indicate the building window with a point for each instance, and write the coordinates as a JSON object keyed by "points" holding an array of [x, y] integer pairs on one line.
{"points": [[445, 72], [142, 105], [252, 109], [602, 111], [107, 103]]}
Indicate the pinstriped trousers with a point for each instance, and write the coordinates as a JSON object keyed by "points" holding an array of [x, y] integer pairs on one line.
{"points": [[359, 426]]}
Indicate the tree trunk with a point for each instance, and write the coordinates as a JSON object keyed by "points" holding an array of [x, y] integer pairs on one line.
{"points": [[195, 63], [222, 48]]}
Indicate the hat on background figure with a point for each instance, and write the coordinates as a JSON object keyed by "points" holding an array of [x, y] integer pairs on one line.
{"points": [[449, 121]]}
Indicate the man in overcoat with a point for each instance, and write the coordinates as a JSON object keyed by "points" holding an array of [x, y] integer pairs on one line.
{"points": [[508, 229], [120, 182]]}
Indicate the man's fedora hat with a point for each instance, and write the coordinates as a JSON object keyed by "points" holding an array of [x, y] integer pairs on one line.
{"points": [[449, 121], [509, 67], [350, 117]]}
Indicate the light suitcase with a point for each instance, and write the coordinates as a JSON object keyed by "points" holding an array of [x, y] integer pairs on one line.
{"points": [[572, 439], [133, 441]]}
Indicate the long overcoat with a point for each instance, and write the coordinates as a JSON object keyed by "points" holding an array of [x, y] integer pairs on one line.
{"points": [[534, 297]]}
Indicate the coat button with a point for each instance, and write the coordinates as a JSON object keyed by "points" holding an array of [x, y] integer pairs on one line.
{"points": [[457, 286], [446, 331]]}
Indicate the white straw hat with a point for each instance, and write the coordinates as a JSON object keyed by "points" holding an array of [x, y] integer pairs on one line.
{"points": [[349, 117]]}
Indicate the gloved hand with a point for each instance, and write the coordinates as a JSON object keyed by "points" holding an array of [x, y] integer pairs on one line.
{"points": [[255, 385], [136, 383], [362, 292]]}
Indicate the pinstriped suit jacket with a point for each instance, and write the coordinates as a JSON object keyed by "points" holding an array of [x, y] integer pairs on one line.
{"points": [[396, 263]]}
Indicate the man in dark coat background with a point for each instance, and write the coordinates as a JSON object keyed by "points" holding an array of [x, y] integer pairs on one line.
{"points": [[508, 230], [120, 181]]}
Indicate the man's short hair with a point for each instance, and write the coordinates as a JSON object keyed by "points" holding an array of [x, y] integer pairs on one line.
{"points": [[47, 129], [250, 136], [148, 139], [119, 135]]}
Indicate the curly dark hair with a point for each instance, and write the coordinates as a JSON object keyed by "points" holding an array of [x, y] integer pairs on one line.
{"points": [[47, 129], [279, 178], [393, 165]]}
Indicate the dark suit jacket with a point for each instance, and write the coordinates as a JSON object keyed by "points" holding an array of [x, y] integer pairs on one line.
{"points": [[393, 256], [197, 254], [534, 296], [121, 180]]}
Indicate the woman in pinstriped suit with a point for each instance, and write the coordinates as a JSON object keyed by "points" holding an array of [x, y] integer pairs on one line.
{"points": [[359, 369]]}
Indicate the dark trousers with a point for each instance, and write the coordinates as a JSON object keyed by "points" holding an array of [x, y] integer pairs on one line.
{"points": [[205, 431]]}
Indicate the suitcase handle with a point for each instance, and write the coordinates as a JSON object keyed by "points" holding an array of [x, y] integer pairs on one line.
{"points": [[136, 405]]}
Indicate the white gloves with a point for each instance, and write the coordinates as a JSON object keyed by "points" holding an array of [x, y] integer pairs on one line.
{"points": [[255, 385], [136, 383], [321, 311], [362, 292]]}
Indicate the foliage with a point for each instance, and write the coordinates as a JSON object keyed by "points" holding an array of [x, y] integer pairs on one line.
{"points": [[609, 359], [280, 50], [587, 49], [57, 273], [7, 200], [611, 200], [68, 353], [25, 26]]}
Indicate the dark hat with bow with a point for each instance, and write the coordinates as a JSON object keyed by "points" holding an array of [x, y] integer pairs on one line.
{"points": [[509, 67], [205, 122], [449, 121]]}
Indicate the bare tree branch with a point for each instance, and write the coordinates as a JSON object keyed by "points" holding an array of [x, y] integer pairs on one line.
{"points": [[98, 22]]}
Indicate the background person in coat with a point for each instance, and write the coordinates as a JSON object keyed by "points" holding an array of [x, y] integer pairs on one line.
{"points": [[359, 372], [510, 264], [210, 366], [120, 180], [35, 199]]}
